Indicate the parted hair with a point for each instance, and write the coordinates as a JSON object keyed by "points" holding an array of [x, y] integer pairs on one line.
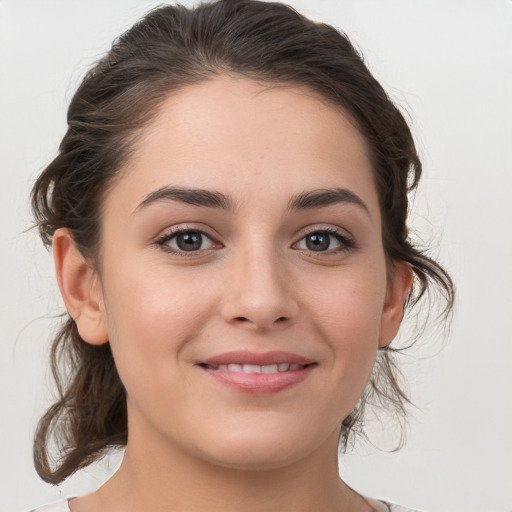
{"points": [[170, 48]]}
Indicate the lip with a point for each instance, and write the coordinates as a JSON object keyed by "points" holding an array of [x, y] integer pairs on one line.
{"points": [[263, 358], [257, 383]]}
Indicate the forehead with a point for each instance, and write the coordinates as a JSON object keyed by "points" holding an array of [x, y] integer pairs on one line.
{"points": [[240, 135]]}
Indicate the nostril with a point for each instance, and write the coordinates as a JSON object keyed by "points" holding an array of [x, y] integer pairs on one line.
{"points": [[245, 320]]}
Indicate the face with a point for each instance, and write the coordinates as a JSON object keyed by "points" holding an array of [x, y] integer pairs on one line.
{"points": [[243, 282]]}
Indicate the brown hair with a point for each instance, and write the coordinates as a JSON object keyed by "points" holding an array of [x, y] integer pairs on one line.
{"points": [[171, 48]]}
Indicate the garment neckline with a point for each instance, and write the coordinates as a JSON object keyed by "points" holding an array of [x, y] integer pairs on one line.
{"points": [[377, 505]]}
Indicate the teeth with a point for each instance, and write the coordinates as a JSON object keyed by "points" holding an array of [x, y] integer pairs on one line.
{"points": [[251, 368], [255, 368]]}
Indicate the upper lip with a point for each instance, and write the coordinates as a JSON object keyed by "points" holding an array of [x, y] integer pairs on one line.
{"points": [[256, 358]]}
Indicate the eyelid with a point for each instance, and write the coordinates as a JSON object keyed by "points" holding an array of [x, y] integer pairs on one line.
{"points": [[162, 239], [346, 240]]}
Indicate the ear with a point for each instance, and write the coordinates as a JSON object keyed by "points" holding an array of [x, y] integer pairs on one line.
{"points": [[398, 287], [80, 288]]}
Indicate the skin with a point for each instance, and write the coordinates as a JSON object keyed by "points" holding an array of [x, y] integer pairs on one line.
{"points": [[195, 444]]}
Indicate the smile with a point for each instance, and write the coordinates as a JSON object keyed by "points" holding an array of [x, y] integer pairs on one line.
{"points": [[258, 373], [255, 368]]}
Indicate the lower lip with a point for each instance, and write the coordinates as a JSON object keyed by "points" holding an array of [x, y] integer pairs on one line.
{"points": [[260, 383]]}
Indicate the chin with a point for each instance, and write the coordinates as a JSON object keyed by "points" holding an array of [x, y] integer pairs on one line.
{"points": [[245, 458], [259, 449]]}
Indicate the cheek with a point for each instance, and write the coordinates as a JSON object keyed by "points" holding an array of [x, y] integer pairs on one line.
{"points": [[152, 315], [347, 310], [151, 320], [354, 298]]}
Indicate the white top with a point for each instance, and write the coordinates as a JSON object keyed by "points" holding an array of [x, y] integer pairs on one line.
{"points": [[378, 506]]}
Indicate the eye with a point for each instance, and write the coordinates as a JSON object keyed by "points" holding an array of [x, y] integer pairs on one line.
{"points": [[324, 241], [186, 240]]}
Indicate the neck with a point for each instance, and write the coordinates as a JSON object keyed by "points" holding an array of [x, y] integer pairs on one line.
{"points": [[158, 477]]}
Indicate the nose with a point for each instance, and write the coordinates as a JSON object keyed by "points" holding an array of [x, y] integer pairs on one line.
{"points": [[259, 294]]}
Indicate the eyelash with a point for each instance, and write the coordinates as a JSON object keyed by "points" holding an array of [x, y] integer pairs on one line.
{"points": [[347, 243], [174, 232]]}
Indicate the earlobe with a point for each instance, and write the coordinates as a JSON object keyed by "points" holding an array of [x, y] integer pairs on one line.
{"points": [[80, 288], [398, 289]]}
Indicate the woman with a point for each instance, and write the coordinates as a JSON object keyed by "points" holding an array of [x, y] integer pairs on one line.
{"points": [[228, 219]]}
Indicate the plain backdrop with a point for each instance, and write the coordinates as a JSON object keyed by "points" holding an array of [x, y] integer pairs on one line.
{"points": [[448, 63]]}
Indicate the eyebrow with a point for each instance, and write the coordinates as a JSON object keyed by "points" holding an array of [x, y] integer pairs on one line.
{"points": [[325, 197], [194, 196], [214, 199]]}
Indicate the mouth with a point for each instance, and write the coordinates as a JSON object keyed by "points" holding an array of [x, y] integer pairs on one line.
{"points": [[256, 368], [258, 373]]}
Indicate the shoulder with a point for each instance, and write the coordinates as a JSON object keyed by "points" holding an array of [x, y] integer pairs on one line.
{"points": [[384, 506], [58, 506], [379, 506], [397, 508]]}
